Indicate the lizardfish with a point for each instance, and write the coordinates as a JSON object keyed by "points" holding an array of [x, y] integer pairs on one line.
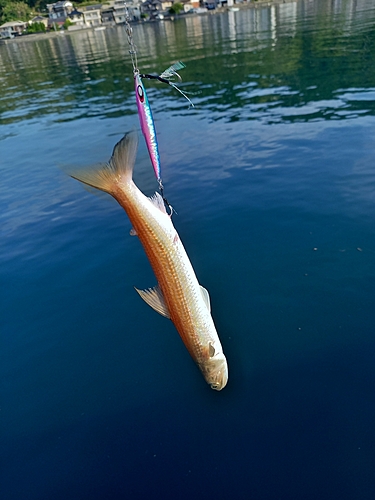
{"points": [[178, 295]]}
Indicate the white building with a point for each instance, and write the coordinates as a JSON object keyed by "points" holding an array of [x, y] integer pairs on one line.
{"points": [[59, 11], [92, 15], [119, 11], [12, 28]]}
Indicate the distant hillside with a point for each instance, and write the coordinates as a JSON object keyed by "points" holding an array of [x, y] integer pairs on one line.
{"points": [[24, 10]]}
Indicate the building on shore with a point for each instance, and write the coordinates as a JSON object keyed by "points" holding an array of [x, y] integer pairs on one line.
{"points": [[39, 19], [155, 8], [86, 17], [12, 29], [119, 11], [92, 15], [190, 5], [58, 12], [76, 19]]}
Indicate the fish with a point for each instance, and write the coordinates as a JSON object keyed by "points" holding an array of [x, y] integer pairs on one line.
{"points": [[178, 294]]}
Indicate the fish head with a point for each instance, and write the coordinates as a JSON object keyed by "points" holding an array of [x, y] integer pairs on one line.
{"points": [[215, 369]]}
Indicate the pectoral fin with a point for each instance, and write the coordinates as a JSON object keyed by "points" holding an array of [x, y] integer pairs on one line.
{"points": [[155, 299], [206, 297], [211, 350]]}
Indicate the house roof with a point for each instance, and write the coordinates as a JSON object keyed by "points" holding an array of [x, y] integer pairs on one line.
{"points": [[9, 24], [153, 3], [75, 12], [94, 7], [62, 3]]}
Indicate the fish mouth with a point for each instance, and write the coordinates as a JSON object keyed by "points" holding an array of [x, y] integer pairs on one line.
{"points": [[221, 380], [216, 372]]}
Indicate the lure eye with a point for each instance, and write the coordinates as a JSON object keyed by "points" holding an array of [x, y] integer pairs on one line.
{"points": [[141, 94]]}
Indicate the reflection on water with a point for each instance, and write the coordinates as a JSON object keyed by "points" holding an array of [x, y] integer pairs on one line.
{"points": [[259, 62]]}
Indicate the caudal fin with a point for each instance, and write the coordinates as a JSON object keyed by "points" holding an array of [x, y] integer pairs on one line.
{"points": [[119, 169]]}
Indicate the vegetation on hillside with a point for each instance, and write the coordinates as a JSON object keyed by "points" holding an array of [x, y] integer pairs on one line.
{"points": [[24, 10], [14, 11]]}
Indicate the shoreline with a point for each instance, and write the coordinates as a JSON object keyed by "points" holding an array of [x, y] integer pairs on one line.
{"points": [[220, 10]]}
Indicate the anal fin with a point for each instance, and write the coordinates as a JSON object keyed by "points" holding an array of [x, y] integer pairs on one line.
{"points": [[155, 299]]}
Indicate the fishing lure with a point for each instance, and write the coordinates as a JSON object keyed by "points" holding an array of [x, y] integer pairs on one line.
{"points": [[144, 109], [147, 125]]}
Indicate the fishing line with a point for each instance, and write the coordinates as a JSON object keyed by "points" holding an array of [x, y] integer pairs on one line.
{"points": [[164, 77], [144, 108], [129, 34]]}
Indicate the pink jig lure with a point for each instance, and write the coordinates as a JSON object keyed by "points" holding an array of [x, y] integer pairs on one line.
{"points": [[147, 125]]}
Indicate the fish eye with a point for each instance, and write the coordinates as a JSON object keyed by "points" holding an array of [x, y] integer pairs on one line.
{"points": [[140, 93]]}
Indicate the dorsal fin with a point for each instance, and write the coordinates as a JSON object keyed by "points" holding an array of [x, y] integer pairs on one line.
{"points": [[155, 299], [206, 297]]}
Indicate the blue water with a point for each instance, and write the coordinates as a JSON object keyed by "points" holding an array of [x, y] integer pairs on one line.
{"points": [[273, 180]]}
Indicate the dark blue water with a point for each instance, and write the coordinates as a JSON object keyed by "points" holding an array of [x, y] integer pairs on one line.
{"points": [[272, 175]]}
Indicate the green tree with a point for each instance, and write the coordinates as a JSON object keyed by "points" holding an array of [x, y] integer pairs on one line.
{"points": [[36, 28], [14, 11], [39, 5], [67, 23], [176, 8]]}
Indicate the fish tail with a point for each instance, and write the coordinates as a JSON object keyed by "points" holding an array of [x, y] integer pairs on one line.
{"points": [[118, 170]]}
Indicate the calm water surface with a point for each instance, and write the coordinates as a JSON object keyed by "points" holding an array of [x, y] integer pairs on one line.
{"points": [[272, 175]]}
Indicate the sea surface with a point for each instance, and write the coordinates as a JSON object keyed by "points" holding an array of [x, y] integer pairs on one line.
{"points": [[272, 177]]}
